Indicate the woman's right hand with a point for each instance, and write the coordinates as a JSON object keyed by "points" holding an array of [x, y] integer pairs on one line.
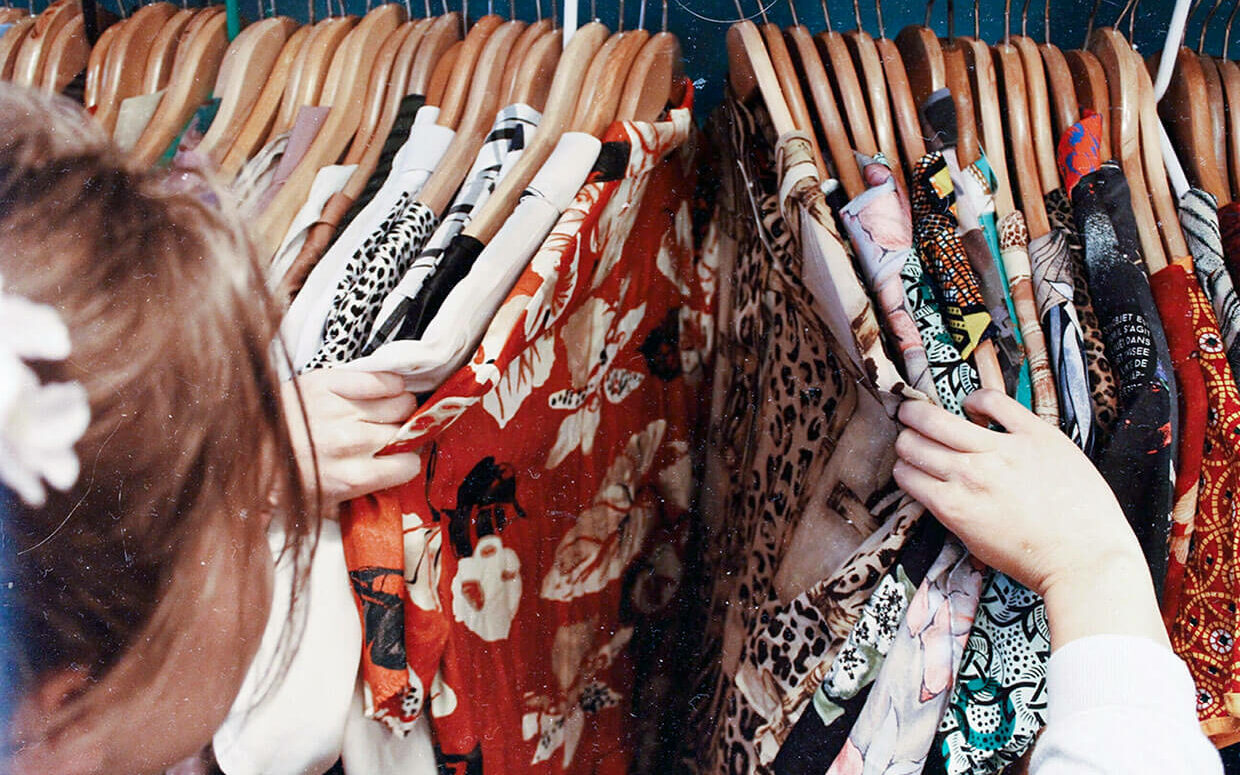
{"points": [[1029, 503], [351, 415]]}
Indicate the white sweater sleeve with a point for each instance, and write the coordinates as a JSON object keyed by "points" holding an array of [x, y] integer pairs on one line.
{"points": [[1121, 704]]}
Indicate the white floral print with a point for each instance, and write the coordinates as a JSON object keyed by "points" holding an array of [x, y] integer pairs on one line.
{"points": [[486, 589]]}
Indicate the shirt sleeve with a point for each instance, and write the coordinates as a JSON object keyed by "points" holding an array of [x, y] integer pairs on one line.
{"points": [[1121, 704]]}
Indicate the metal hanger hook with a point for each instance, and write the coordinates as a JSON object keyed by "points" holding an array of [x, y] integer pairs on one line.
{"points": [[1024, 19], [1227, 30], [792, 6], [826, 14], [1205, 25]]}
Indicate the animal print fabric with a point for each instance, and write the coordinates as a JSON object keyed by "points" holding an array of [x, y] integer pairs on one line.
{"points": [[1014, 244], [1199, 219], [373, 271], [1102, 388], [500, 589], [800, 515]]}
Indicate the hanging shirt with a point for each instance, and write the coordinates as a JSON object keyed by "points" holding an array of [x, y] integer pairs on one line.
{"points": [[1065, 343], [1138, 461], [880, 226], [406, 114], [512, 132], [501, 587], [1103, 391], [1014, 245], [255, 176], [328, 181], [133, 116], [1199, 218], [302, 328], [801, 516], [489, 272]]}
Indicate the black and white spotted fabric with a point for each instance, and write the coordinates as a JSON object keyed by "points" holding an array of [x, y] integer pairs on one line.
{"points": [[374, 270], [510, 134]]}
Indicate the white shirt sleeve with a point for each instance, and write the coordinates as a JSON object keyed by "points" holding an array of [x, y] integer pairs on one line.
{"points": [[1121, 705]]}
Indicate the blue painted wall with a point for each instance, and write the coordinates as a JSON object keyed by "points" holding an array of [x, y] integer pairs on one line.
{"points": [[701, 24]]}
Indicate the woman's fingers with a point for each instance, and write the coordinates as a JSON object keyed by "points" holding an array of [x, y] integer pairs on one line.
{"points": [[948, 429], [392, 470], [935, 494], [928, 455], [396, 409], [994, 406], [364, 385]]}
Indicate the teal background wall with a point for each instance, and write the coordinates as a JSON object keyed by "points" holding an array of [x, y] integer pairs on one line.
{"points": [[701, 24]]}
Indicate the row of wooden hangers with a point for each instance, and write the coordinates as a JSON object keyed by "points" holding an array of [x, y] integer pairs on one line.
{"points": [[47, 50], [361, 68]]}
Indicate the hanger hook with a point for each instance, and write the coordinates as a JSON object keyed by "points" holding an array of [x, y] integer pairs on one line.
{"points": [[1024, 19], [641, 16], [951, 20], [1205, 25], [1089, 28], [929, 10], [1007, 22], [1227, 30], [857, 13], [620, 19], [762, 10], [826, 14], [792, 6], [593, 10], [664, 28], [1132, 21], [1046, 22]]}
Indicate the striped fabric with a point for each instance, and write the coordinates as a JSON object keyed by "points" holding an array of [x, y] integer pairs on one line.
{"points": [[1199, 219]]}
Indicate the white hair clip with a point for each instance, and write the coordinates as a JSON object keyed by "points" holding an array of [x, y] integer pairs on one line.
{"points": [[39, 424]]}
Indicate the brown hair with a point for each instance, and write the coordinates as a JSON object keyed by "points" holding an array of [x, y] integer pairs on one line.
{"points": [[171, 329]]}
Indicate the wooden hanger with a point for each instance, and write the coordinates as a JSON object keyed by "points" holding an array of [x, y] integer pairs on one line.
{"points": [[67, 55], [534, 79], [8, 14], [561, 102], [247, 63], [600, 95], [1092, 91], [1121, 76], [790, 85], [344, 94], [1165, 204], [377, 92], [834, 131], [955, 69], [1229, 73], [163, 48], [1020, 135], [865, 55], [11, 43], [1187, 113], [529, 36], [452, 108], [31, 59], [923, 60], [445, 32], [654, 79], [1039, 107], [262, 114], [750, 70], [94, 65], [477, 119], [310, 70], [1064, 108], [126, 62], [839, 66], [442, 73], [903, 107], [193, 74], [397, 90], [1218, 115], [981, 66]]}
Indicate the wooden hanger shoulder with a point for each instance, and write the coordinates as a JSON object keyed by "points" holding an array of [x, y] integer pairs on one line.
{"points": [[1186, 113], [561, 103], [835, 57], [443, 34], [923, 61], [865, 54], [457, 93], [162, 51], [1229, 73], [790, 86], [521, 49], [1019, 134], [956, 72], [1064, 108], [981, 64], [31, 59], [262, 115], [1165, 203], [600, 108], [310, 73], [1121, 76], [476, 121], [1218, 122], [94, 65], [1039, 112], [67, 55], [1092, 92], [377, 93], [193, 74], [11, 43], [903, 108], [9, 15], [533, 83], [247, 63], [829, 118], [126, 64], [656, 71], [442, 73]]}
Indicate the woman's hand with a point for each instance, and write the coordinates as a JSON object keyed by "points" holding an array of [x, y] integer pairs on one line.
{"points": [[351, 416], [1029, 503]]}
